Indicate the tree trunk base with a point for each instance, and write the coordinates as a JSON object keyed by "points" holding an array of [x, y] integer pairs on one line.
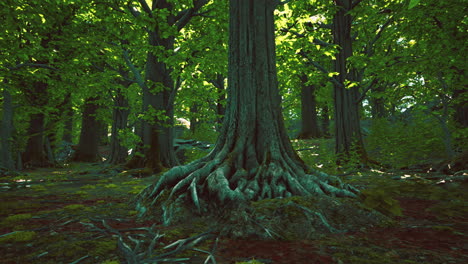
{"points": [[210, 185], [269, 203]]}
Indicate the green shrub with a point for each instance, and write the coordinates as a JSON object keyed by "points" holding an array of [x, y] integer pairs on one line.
{"points": [[402, 144]]}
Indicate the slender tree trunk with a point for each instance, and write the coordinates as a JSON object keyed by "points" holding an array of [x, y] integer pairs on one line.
{"points": [[347, 121], [159, 96], [120, 114], [35, 155], [220, 108], [461, 106], [87, 150], [68, 116], [378, 102], [6, 131], [253, 158], [194, 119], [326, 121], [309, 120]]}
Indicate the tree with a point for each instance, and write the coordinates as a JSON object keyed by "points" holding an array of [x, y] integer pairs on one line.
{"points": [[6, 131], [253, 158], [158, 89], [309, 127], [346, 92], [89, 137]]}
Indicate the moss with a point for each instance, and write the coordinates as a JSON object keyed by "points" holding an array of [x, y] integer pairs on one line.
{"points": [[110, 262], [18, 236], [73, 207], [131, 182], [38, 188], [13, 219], [133, 212], [88, 187], [103, 247], [82, 194]]}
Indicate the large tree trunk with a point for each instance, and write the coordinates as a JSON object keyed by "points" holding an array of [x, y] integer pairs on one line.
{"points": [[87, 150], [347, 121], [309, 120], [6, 131], [158, 96], [253, 158]]}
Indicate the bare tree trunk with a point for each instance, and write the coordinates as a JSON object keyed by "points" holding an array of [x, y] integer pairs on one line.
{"points": [[309, 120], [87, 150], [68, 116], [35, 155], [347, 120], [378, 101], [6, 131], [120, 114]]}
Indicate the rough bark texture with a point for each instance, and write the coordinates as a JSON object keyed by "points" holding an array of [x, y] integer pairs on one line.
{"points": [[6, 132], [253, 158], [309, 127], [87, 150], [347, 122]]}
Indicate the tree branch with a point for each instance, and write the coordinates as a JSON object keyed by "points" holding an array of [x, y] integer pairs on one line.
{"points": [[364, 93], [146, 7], [133, 10], [186, 15], [320, 68], [355, 3]]}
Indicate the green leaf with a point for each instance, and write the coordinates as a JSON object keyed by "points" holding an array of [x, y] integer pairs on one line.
{"points": [[413, 3]]}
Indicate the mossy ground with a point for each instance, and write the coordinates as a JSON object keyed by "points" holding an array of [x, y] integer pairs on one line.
{"points": [[56, 216]]}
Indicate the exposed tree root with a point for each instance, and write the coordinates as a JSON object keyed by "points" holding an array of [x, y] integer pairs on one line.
{"points": [[221, 181]]}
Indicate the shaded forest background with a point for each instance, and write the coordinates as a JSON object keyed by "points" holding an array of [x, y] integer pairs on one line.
{"points": [[150, 83]]}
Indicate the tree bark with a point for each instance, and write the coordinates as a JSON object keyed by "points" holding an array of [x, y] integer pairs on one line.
{"points": [[378, 101], [87, 150], [309, 120], [35, 155], [220, 109], [253, 158], [158, 95], [68, 116], [6, 131], [120, 114], [347, 120]]}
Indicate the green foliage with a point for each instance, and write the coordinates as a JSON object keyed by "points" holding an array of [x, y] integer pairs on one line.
{"points": [[402, 144], [413, 3]]}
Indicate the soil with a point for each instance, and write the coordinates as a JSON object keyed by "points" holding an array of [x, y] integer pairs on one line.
{"points": [[76, 214]]}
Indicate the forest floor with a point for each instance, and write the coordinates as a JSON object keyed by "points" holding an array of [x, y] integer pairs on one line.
{"points": [[76, 214]]}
